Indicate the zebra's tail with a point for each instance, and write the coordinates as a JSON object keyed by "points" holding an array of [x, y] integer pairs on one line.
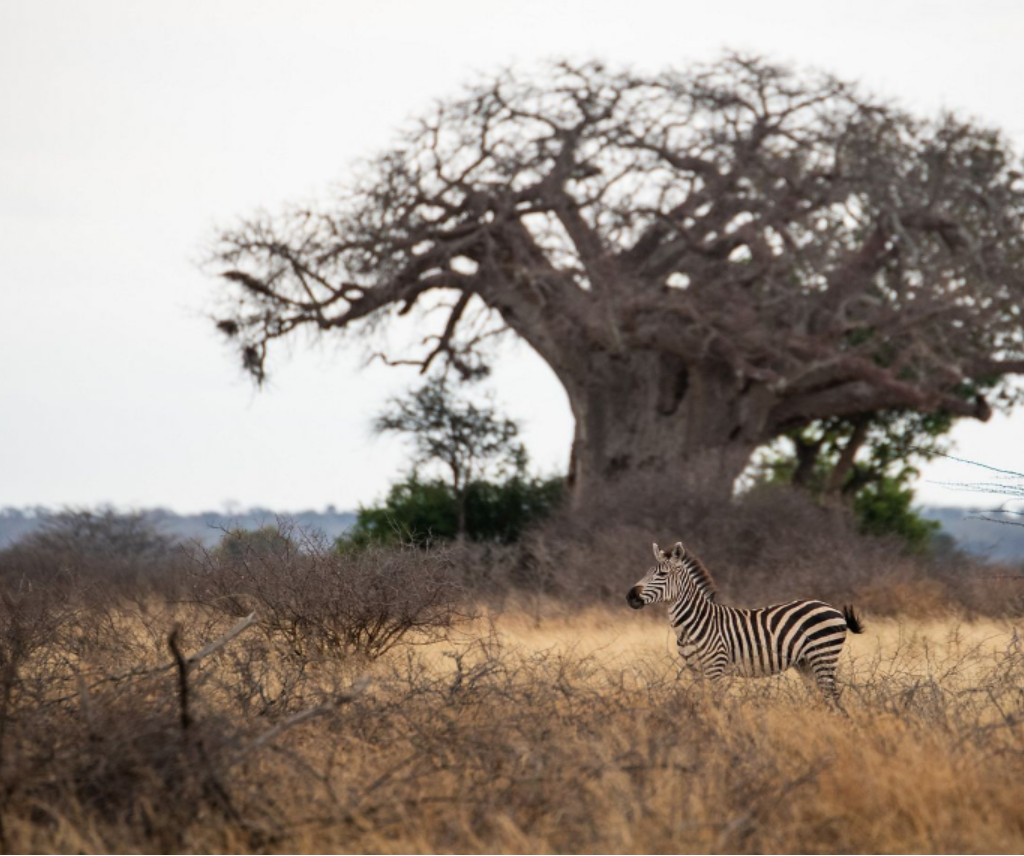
{"points": [[852, 621]]}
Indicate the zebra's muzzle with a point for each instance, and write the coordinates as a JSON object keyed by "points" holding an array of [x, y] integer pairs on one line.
{"points": [[634, 599]]}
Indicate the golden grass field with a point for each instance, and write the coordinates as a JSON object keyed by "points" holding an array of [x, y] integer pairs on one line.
{"points": [[533, 730]]}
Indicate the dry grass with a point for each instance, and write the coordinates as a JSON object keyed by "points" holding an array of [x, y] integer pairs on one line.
{"points": [[533, 730], [506, 700]]}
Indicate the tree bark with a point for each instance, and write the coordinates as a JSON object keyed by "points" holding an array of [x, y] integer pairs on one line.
{"points": [[643, 415]]}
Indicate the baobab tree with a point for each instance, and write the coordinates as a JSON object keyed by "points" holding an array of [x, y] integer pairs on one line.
{"points": [[706, 259]]}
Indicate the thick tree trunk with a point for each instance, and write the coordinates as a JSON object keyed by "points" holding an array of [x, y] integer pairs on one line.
{"points": [[644, 416]]}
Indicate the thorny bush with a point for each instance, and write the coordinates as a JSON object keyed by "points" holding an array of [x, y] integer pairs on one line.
{"points": [[535, 733], [327, 603], [767, 546]]}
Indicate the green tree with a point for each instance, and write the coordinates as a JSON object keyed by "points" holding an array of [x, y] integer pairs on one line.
{"points": [[839, 457], [867, 462], [469, 442], [885, 507]]}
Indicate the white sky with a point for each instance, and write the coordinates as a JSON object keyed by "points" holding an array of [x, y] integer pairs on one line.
{"points": [[128, 130]]}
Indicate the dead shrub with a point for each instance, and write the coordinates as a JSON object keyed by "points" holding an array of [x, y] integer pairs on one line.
{"points": [[158, 757], [483, 744], [922, 598], [767, 546], [325, 603], [552, 750], [126, 762], [574, 739], [96, 558]]}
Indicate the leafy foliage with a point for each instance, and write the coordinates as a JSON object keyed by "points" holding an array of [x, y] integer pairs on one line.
{"points": [[868, 462], [892, 443], [420, 511], [468, 439], [885, 508]]}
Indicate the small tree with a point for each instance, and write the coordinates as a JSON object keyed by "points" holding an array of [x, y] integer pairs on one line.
{"points": [[840, 457], [469, 441]]}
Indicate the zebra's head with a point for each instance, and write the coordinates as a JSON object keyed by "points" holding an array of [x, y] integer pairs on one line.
{"points": [[662, 582]]}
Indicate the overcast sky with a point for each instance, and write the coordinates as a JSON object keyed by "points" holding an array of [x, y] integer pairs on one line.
{"points": [[129, 130]]}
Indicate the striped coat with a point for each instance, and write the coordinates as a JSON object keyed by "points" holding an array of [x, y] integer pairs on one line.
{"points": [[717, 640]]}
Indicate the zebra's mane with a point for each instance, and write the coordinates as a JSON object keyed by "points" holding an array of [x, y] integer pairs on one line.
{"points": [[700, 575]]}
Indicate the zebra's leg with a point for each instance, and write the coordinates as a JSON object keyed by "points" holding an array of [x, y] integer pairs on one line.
{"points": [[691, 659], [823, 669], [714, 668]]}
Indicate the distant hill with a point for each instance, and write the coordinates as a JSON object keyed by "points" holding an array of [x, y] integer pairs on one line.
{"points": [[1000, 541], [207, 527]]}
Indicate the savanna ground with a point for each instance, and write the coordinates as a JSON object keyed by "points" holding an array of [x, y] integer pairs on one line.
{"points": [[462, 700]]}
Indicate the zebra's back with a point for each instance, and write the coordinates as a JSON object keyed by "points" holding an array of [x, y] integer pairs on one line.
{"points": [[770, 639]]}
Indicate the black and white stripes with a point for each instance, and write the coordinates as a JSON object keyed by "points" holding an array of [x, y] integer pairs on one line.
{"points": [[717, 639]]}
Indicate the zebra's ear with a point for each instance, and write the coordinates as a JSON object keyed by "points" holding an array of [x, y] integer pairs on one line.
{"points": [[678, 550], [658, 555]]}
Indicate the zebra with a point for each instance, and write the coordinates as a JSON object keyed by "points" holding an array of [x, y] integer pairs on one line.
{"points": [[715, 639]]}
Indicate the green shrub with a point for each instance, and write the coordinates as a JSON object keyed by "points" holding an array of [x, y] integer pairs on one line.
{"points": [[422, 511], [885, 508]]}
